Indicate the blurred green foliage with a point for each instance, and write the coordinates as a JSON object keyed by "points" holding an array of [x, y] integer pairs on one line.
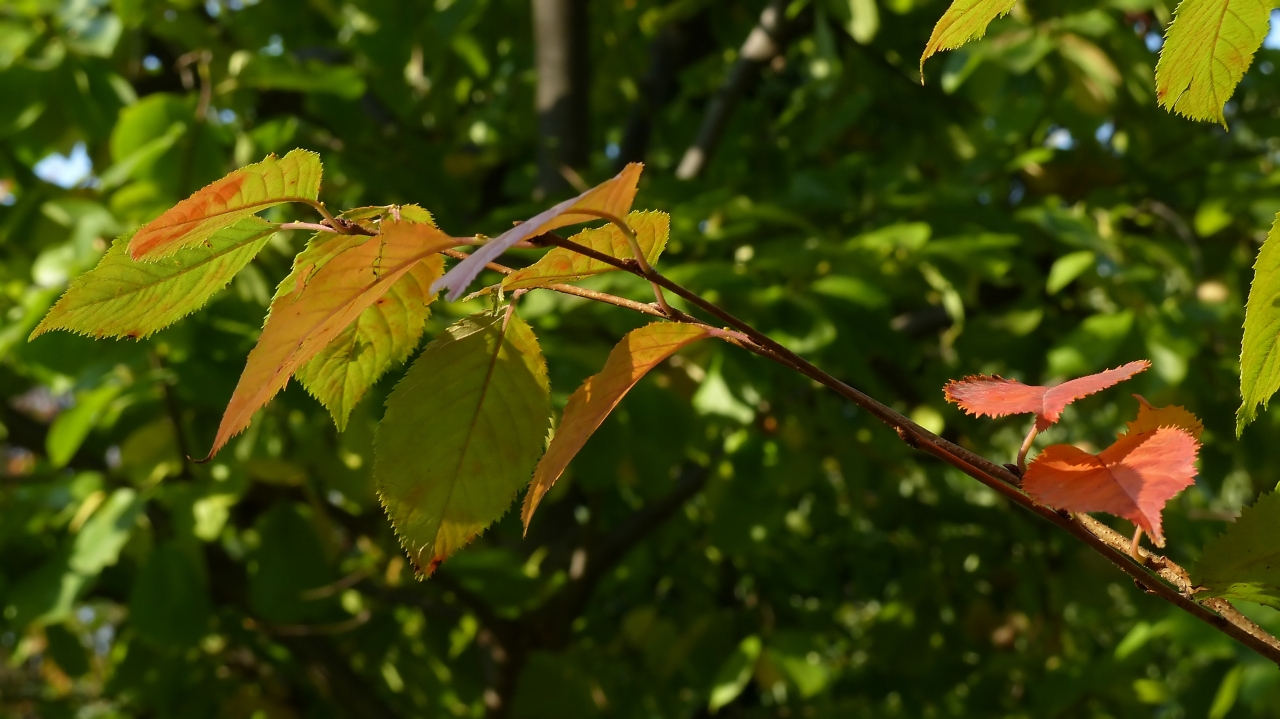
{"points": [[733, 537]]}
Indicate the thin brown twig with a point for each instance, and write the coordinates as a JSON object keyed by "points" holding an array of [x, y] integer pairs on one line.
{"points": [[1178, 590]]}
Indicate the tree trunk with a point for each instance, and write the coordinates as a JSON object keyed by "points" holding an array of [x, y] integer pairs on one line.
{"points": [[561, 40]]}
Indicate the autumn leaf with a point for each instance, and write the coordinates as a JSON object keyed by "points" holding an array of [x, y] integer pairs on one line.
{"points": [[562, 265], [965, 20], [1260, 351], [612, 197], [332, 283], [124, 298], [1206, 51], [640, 351], [1150, 418], [383, 335], [251, 189], [1132, 478], [1244, 562], [462, 431], [995, 396]]}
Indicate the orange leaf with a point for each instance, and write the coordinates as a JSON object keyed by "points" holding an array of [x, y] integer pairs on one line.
{"points": [[995, 396], [326, 292], [1132, 478], [251, 189], [1150, 418], [612, 197], [561, 265], [640, 351]]}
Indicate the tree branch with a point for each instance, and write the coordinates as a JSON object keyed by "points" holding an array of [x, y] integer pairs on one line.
{"points": [[1217, 613], [761, 45]]}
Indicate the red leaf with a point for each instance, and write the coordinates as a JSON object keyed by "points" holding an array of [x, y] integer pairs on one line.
{"points": [[996, 396], [1132, 478]]}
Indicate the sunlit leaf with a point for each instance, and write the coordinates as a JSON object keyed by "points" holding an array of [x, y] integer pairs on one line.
{"points": [[561, 265], [965, 20], [1150, 418], [995, 396], [612, 197], [332, 283], [1206, 51], [1132, 478], [735, 674], [124, 298], [73, 425], [1244, 562], [461, 434], [1260, 350], [383, 335], [251, 189], [640, 351]]}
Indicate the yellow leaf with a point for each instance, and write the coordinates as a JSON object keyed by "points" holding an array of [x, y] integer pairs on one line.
{"points": [[965, 20], [1206, 51], [1150, 418], [251, 189], [326, 292], [561, 265], [640, 351]]}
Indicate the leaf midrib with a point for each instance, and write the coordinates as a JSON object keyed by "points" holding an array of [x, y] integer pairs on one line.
{"points": [[471, 429]]}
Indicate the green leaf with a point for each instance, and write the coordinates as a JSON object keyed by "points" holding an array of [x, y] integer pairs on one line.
{"points": [[461, 434], [289, 562], [1244, 562], [734, 674], [383, 335], [1067, 268], [169, 604], [124, 298], [965, 20], [66, 650], [561, 265], [1260, 350], [102, 537], [1206, 51], [251, 189], [72, 426]]}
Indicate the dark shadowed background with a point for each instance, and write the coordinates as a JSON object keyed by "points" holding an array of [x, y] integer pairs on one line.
{"points": [[734, 537]]}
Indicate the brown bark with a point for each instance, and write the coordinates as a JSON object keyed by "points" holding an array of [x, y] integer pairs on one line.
{"points": [[562, 43]]}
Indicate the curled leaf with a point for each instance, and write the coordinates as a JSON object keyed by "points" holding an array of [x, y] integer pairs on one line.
{"points": [[995, 396], [249, 190], [612, 197], [1133, 478], [561, 265], [631, 359], [1150, 418]]}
